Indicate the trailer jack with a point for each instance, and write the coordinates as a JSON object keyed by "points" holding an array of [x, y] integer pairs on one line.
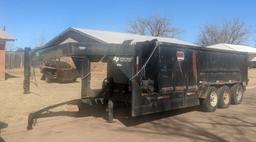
{"points": [[110, 110]]}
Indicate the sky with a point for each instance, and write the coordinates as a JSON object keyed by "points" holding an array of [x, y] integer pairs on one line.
{"points": [[35, 21]]}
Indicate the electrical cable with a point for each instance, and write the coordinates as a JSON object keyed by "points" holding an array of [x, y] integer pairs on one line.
{"points": [[145, 64]]}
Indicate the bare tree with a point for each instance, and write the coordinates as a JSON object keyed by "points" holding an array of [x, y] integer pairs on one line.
{"points": [[233, 32], [154, 26]]}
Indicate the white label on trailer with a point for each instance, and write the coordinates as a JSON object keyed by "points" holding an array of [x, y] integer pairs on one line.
{"points": [[122, 59], [180, 55], [82, 47], [116, 59]]}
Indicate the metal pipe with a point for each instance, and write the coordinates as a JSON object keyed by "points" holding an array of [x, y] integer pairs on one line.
{"points": [[27, 65]]}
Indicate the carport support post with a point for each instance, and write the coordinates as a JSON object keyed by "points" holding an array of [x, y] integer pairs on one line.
{"points": [[26, 83], [85, 77]]}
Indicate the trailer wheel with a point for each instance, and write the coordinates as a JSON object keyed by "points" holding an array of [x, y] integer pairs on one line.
{"points": [[237, 92], [224, 97], [210, 103]]}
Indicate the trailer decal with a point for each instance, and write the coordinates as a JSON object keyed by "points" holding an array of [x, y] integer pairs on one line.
{"points": [[180, 56]]}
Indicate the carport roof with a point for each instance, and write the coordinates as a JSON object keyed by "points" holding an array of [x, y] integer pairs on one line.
{"points": [[6, 36], [118, 37], [233, 47]]}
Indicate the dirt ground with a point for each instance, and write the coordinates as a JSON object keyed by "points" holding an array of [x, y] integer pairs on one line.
{"points": [[63, 122], [15, 106], [252, 77]]}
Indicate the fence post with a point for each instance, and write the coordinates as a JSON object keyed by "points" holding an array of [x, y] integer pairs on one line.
{"points": [[26, 83]]}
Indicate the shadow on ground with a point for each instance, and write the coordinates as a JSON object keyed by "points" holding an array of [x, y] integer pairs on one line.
{"points": [[159, 123], [97, 111], [2, 126], [196, 130], [122, 113], [8, 76]]}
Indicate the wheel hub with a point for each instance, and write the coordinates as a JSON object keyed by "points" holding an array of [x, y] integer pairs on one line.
{"points": [[213, 99]]}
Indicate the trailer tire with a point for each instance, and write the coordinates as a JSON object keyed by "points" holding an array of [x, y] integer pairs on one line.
{"points": [[237, 92], [210, 103], [224, 95]]}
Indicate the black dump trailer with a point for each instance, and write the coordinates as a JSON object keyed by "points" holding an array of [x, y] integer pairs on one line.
{"points": [[155, 76]]}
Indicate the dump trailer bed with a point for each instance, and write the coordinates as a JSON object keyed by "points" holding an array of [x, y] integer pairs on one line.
{"points": [[156, 76], [180, 76]]}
